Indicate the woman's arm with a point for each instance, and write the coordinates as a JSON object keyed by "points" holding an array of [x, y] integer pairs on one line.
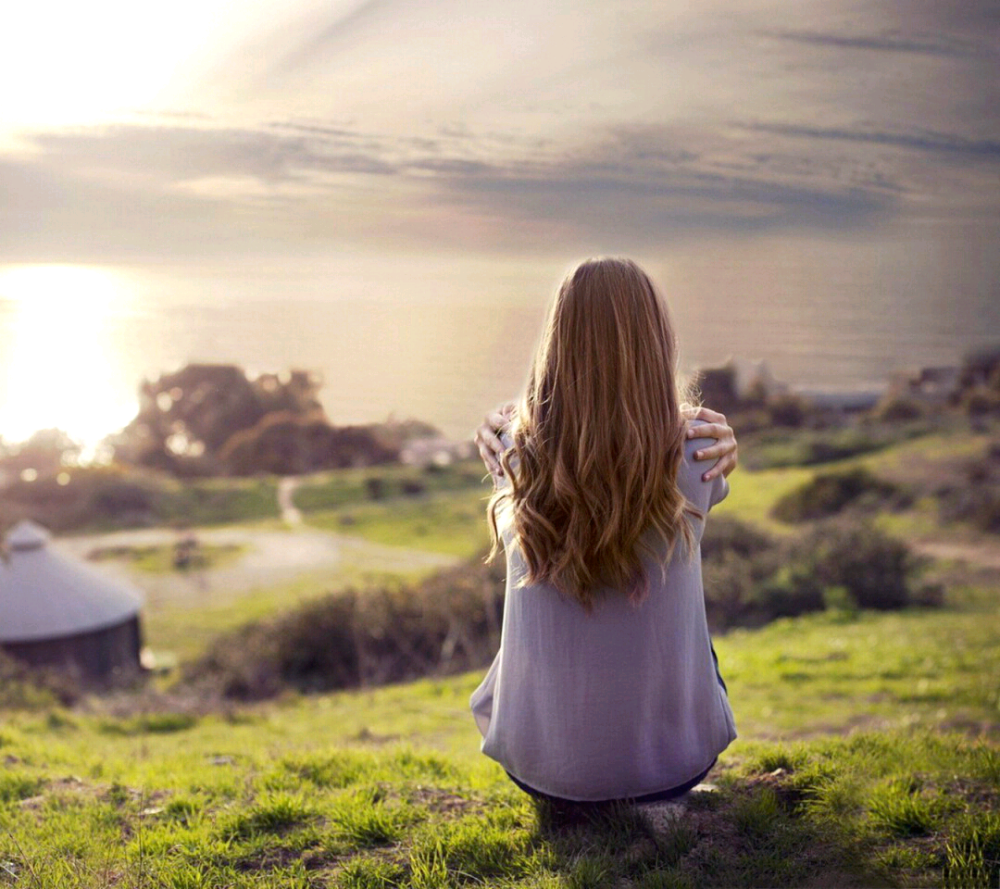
{"points": [[724, 449]]}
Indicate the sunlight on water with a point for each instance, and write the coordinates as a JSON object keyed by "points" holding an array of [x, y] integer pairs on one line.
{"points": [[55, 321]]}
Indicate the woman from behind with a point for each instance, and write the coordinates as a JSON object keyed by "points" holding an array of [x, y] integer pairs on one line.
{"points": [[606, 685]]}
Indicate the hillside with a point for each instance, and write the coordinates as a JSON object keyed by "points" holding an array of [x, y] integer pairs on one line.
{"points": [[869, 755]]}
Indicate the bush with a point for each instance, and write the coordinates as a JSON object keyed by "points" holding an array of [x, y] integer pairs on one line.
{"points": [[787, 410], [980, 402], [828, 493], [750, 579], [447, 624], [977, 498], [28, 688], [738, 562], [875, 569], [724, 534], [897, 408]]}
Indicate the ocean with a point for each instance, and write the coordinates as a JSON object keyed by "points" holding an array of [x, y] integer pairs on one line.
{"points": [[844, 316]]}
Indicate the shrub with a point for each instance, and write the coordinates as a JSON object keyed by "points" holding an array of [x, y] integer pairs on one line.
{"points": [[451, 622], [28, 688], [980, 402], [977, 498], [447, 624], [787, 410], [791, 591], [750, 579], [828, 493], [896, 408], [875, 569], [724, 534], [738, 562]]}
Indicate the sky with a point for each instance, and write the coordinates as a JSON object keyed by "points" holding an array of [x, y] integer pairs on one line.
{"points": [[777, 164], [215, 131]]}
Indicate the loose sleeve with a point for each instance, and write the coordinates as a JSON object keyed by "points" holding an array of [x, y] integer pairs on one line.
{"points": [[719, 491], [703, 494]]}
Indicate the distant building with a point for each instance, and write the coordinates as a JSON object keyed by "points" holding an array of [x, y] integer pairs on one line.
{"points": [[931, 385], [61, 612], [846, 401], [739, 380], [752, 376], [438, 451]]}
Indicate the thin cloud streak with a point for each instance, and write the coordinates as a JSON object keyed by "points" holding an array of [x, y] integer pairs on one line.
{"points": [[951, 143], [922, 44]]}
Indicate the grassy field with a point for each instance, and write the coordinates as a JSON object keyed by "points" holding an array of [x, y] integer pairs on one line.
{"points": [[869, 755], [451, 522], [439, 510], [346, 487], [162, 559], [172, 626]]}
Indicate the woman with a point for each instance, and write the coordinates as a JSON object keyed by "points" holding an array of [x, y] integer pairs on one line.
{"points": [[606, 685]]}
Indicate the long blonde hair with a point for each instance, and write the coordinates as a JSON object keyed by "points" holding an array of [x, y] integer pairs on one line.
{"points": [[598, 438]]}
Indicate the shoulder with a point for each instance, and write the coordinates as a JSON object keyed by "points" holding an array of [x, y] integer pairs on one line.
{"points": [[689, 475]]}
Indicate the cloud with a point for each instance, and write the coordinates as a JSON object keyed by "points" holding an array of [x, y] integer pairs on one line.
{"points": [[192, 187], [921, 44], [920, 140], [638, 187]]}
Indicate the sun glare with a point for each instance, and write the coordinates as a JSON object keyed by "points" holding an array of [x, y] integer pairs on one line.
{"points": [[74, 63], [58, 373]]}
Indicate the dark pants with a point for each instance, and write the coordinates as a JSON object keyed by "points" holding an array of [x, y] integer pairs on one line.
{"points": [[659, 796]]}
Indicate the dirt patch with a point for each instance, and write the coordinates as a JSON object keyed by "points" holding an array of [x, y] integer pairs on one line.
{"points": [[981, 553], [442, 802]]}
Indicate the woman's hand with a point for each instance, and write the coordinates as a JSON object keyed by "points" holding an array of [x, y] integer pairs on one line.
{"points": [[488, 437], [724, 449]]}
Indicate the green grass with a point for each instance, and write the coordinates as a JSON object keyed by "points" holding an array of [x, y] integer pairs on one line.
{"points": [[868, 752], [439, 509], [449, 522], [330, 490], [160, 559], [108, 498], [184, 632], [917, 464], [752, 495], [216, 501]]}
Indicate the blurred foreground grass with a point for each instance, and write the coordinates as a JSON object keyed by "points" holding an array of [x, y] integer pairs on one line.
{"points": [[869, 751], [868, 756]]}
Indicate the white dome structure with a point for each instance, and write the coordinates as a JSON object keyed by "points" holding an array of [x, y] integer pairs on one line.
{"points": [[58, 611]]}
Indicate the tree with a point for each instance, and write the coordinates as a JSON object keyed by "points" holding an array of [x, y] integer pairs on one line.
{"points": [[185, 418], [46, 452]]}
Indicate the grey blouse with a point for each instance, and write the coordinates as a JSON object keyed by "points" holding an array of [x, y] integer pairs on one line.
{"points": [[622, 702]]}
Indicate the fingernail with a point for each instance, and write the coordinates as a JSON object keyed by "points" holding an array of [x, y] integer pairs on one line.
{"points": [[697, 455]]}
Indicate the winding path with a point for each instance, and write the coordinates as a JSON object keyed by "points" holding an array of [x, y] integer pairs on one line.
{"points": [[272, 556]]}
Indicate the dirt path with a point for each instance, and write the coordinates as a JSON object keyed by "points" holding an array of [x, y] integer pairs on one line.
{"points": [[984, 554], [290, 513], [272, 557]]}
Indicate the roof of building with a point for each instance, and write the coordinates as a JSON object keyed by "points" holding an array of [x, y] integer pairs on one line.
{"points": [[45, 594]]}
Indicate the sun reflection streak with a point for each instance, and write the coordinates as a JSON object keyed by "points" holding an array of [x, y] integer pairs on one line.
{"points": [[56, 367]]}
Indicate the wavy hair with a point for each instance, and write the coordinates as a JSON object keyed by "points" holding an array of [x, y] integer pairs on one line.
{"points": [[598, 439]]}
